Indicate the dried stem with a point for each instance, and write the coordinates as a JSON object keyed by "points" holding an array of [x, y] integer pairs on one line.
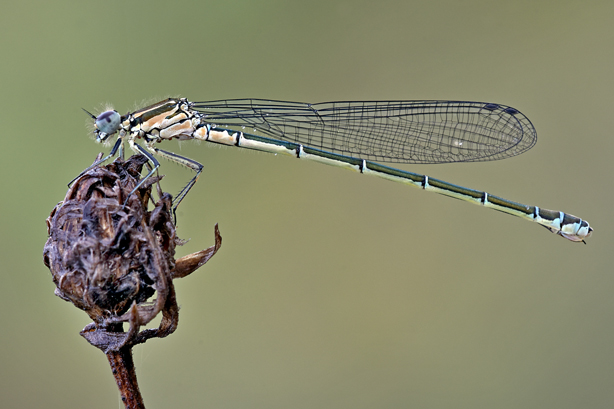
{"points": [[122, 366]]}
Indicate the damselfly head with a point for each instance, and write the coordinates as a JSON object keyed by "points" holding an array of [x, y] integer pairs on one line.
{"points": [[107, 124]]}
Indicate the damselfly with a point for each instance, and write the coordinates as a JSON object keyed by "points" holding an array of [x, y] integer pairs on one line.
{"points": [[351, 135]]}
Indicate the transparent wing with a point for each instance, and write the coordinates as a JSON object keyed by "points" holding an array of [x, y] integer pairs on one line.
{"points": [[385, 131]]}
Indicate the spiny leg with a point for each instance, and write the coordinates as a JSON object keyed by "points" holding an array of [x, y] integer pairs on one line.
{"points": [[188, 163], [155, 165], [118, 145]]}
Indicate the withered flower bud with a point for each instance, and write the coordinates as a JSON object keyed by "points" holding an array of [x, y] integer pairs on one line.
{"points": [[109, 256]]}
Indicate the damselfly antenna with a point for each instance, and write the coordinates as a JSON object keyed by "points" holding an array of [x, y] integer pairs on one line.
{"points": [[89, 113]]}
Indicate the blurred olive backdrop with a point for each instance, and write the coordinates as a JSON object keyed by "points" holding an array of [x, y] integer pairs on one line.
{"points": [[331, 290]]}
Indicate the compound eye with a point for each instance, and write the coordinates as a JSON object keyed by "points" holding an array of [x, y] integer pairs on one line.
{"points": [[108, 122]]}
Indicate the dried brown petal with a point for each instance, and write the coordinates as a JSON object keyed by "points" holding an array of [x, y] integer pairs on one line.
{"points": [[188, 264]]}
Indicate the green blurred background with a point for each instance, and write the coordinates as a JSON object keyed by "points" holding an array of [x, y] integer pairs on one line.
{"points": [[331, 290]]}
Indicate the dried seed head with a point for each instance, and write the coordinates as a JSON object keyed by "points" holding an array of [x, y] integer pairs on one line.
{"points": [[109, 259], [104, 256]]}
